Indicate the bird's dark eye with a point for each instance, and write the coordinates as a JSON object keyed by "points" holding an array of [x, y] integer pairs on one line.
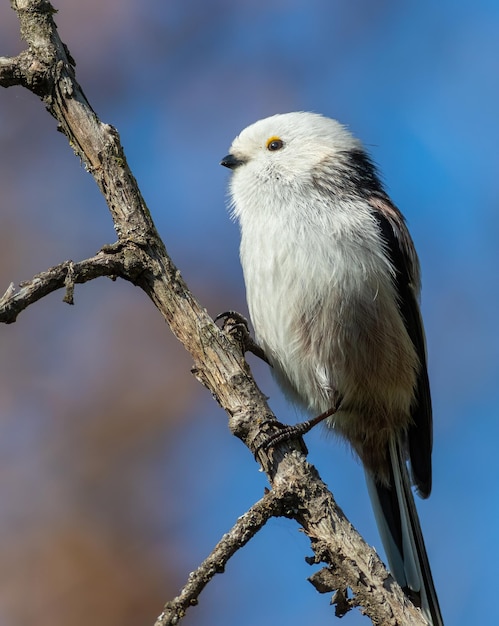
{"points": [[274, 143]]}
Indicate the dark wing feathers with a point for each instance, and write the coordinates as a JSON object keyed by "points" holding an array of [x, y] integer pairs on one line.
{"points": [[359, 175], [400, 250]]}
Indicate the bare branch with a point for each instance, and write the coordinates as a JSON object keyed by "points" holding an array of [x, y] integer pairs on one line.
{"points": [[10, 73], [243, 530], [66, 275]]}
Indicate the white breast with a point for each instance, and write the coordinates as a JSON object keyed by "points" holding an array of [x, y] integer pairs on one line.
{"points": [[322, 303]]}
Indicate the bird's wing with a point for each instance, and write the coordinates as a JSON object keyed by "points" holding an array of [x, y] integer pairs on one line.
{"points": [[400, 249]]}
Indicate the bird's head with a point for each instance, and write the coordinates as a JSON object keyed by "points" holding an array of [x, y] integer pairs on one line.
{"points": [[288, 147]]}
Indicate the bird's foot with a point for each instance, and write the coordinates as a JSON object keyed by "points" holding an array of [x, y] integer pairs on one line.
{"points": [[294, 431], [236, 324]]}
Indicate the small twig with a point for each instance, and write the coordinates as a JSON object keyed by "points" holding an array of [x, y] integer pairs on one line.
{"points": [[69, 283], [66, 274], [243, 530]]}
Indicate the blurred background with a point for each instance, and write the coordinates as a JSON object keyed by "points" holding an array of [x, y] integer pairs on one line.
{"points": [[117, 470]]}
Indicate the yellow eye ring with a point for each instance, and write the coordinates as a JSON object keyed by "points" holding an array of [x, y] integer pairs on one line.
{"points": [[274, 143]]}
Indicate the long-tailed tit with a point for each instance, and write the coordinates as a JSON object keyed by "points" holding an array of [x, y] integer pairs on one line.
{"points": [[332, 281]]}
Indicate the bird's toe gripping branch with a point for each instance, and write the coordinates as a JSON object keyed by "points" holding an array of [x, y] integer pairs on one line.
{"points": [[236, 324]]}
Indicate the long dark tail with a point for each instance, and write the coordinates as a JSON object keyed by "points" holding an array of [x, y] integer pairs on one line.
{"points": [[400, 531]]}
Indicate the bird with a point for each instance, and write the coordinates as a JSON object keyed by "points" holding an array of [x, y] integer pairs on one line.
{"points": [[333, 285]]}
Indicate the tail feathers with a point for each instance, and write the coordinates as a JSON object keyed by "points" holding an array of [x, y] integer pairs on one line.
{"points": [[400, 531]]}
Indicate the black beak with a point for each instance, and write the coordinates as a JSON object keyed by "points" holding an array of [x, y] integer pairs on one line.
{"points": [[231, 162]]}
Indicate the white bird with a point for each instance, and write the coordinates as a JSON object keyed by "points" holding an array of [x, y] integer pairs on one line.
{"points": [[333, 281]]}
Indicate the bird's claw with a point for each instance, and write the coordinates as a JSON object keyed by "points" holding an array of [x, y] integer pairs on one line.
{"points": [[236, 324]]}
